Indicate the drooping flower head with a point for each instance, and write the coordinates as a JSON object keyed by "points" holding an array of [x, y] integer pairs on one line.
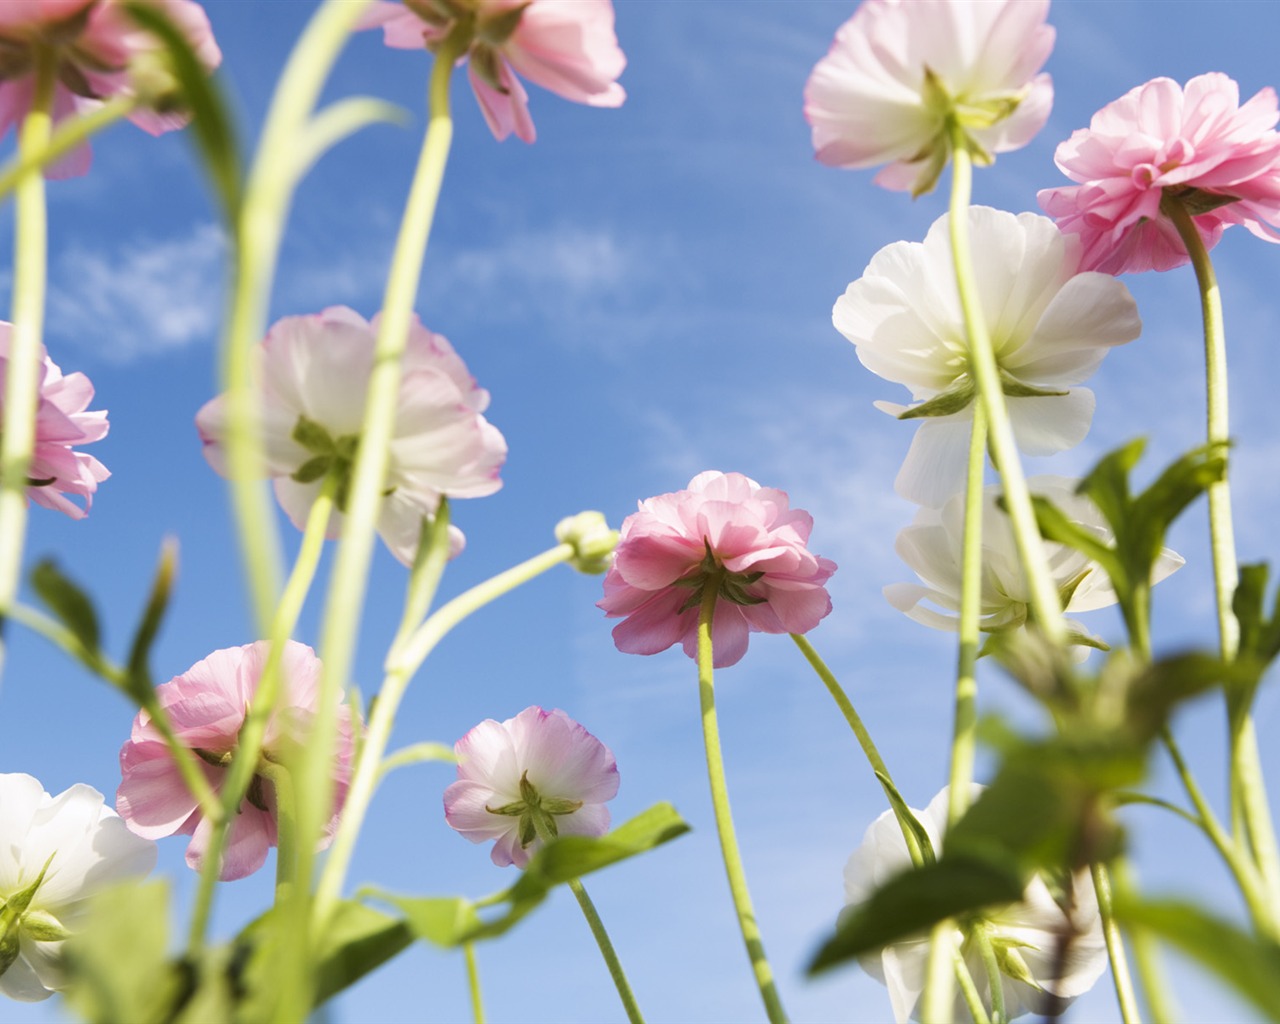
{"points": [[1160, 143], [567, 46], [723, 531], [55, 853], [932, 547], [534, 775], [207, 705], [62, 421], [315, 373], [98, 49], [1053, 938], [1050, 327], [899, 70]]}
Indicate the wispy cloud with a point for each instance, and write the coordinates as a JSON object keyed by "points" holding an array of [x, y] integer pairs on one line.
{"points": [[140, 298]]}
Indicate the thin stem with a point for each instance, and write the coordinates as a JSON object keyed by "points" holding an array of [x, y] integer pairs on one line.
{"points": [[864, 739], [66, 136], [937, 1001], [1155, 988], [982, 939], [968, 990], [986, 375], [473, 982], [724, 819], [1115, 947]]}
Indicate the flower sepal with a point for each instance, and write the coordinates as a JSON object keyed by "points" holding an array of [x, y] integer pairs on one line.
{"points": [[537, 813], [1196, 201], [13, 913], [955, 399], [44, 927], [1010, 961]]}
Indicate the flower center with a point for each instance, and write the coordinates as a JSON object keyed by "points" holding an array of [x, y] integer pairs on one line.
{"points": [[732, 586], [537, 813]]}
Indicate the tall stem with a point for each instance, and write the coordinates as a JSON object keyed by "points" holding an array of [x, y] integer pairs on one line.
{"points": [[724, 819], [1115, 948], [473, 982]]}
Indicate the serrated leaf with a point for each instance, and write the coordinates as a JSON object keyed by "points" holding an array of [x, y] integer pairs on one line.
{"points": [[69, 604]]}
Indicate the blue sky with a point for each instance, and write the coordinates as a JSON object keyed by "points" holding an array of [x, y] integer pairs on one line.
{"points": [[646, 293]]}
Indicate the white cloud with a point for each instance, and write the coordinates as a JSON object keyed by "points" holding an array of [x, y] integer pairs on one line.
{"points": [[141, 298]]}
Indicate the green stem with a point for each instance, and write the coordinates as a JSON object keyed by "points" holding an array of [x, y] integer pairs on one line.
{"points": [[66, 136], [1155, 988], [986, 951], [473, 982], [724, 819], [1044, 600], [968, 990], [22, 370], [937, 1000], [1115, 947], [1251, 813], [864, 741], [406, 656], [286, 826]]}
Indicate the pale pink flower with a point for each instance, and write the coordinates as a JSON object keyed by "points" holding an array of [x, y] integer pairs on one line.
{"points": [[899, 69], [315, 374], [95, 43], [207, 705], [538, 772], [62, 421], [1027, 935], [726, 529], [55, 853], [566, 46], [1198, 146]]}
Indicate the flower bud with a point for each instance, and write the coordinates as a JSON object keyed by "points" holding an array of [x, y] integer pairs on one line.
{"points": [[592, 540]]}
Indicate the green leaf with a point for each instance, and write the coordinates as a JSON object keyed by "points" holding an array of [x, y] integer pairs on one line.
{"points": [[1160, 504], [1054, 525], [69, 604], [1108, 482], [358, 941], [913, 902], [445, 921], [157, 604], [1250, 965]]}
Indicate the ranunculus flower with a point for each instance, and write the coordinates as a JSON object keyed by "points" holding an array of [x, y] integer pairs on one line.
{"points": [[95, 44], [62, 422], [1196, 146], [932, 546], [724, 530], [898, 69], [567, 46], [55, 853], [1029, 931], [1050, 327], [315, 374], [538, 772], [207, 705]]}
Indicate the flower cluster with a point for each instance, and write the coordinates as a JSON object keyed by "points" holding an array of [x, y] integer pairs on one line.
{"points": [[724, 531], [207, 705], [315, 373]]}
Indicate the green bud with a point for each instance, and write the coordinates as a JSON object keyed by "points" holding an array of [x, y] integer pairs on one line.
{"points": [[593, 542], [1011, 963], [44, 927]]}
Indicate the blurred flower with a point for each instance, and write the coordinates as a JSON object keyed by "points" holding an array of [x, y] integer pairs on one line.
{"points": [[1050, 327], [56, 852], [96, 46], [315, 374], [899, 70], [538, 772], [726, 531], [567, 46], [207, 705], [56, 469], [1157, 143], [1037, 970], [932, 547]]}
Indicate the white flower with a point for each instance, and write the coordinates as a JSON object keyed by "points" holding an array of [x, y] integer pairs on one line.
{"points": [[932, 547], [1032, 929], [1050, 327], [67, 847], [899, 70]]}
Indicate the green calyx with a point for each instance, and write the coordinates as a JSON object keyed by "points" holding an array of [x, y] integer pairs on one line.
{"points": [[537, 813], [962, 391], [1194, 200], [15, 913], [731, 586], [329, 457]]}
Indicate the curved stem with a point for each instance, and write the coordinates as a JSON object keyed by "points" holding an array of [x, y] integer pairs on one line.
{"points": [[982, 363], [68, 134], [473, 982], [1115, 947], [724, 819]]}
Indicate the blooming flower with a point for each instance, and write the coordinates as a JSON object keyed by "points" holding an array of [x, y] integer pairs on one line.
{"points": [[1050, 327], [567, 46], [1027, 936], [207, 705], [57, 469], [57, 851], [932, 547], [1157, 143], [899, 70], [315, 372], [725, 531], [536, 774], [94, 43]]}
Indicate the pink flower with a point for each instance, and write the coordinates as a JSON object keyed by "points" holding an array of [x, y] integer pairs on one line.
{"points": [[726, 530], [56, 469], [94, 42], [567, 46], [538, 773], [1197, 146], [207, 706], [900, 69], [315, 373]]}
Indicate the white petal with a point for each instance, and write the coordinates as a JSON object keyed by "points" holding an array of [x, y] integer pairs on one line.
{"points": [[934, 468], [1046, 425]]}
